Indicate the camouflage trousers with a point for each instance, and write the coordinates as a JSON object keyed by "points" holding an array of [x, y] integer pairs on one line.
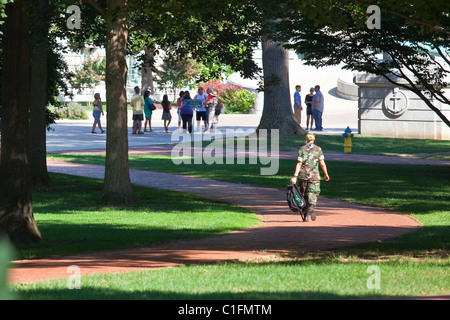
{"points": [[310, 190]]}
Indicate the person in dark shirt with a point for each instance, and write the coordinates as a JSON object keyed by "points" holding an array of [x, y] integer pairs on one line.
{"points": [[166, 116]]}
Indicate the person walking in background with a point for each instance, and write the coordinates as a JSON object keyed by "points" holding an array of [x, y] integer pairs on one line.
{"points": [[97, 113], [201, 112], [179, 105], [166, 116], [137, 103], [218, 111], [309, 112], [186, 113], [211, 104], [298, 104], [310, 157], [148, 110], [209, 90], [318, 106]]}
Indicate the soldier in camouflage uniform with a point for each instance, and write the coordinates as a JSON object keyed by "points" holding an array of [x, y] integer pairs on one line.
{"points": [[309, 158]]}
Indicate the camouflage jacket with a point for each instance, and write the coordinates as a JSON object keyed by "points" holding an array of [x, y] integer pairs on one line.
{"points": [[310, 155]]}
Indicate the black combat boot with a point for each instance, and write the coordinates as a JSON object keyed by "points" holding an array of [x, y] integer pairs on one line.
{"points": [[305, 214], [312, 213]]}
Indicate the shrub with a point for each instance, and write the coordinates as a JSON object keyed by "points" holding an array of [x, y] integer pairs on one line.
{"points": [[72, 110], [234, 98], [238, 101]]}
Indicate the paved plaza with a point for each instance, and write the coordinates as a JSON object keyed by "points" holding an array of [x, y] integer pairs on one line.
{"points": [[339, 113]]}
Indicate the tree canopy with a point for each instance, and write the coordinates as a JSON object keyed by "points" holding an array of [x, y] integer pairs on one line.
{"points": [[415, 37]]}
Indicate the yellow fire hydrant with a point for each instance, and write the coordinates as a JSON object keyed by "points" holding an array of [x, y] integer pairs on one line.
{"points": [[348, 135]]}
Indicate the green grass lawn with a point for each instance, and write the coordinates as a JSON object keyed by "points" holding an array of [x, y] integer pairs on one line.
{"points": [[374, 145], [415, 264], [71, 220], [422, 191], [415, 148], [307, 278]]}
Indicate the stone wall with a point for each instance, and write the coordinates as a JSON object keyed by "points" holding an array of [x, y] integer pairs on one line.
{"points": [[389, 111], [346, 87]]}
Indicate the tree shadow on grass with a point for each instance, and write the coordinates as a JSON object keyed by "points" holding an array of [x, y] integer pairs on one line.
{"points": [[63, 239], [111, 294], [71, 220], [142, 247]]}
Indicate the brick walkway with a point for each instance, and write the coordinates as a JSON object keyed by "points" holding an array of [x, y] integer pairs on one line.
{"points": [[338, 223]]}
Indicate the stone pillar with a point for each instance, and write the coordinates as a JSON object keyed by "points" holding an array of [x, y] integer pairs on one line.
{"points": [[390, 111]]}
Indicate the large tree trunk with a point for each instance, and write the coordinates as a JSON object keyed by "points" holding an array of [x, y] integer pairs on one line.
{"points": [[117, 186], [16, 212], [40, 22], [277, 112]]}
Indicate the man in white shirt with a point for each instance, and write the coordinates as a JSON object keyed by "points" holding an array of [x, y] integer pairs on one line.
{"points": [[317, 108], [201, 112]]}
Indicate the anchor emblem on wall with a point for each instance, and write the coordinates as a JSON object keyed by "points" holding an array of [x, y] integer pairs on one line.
{"points": [[396, 103]]}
